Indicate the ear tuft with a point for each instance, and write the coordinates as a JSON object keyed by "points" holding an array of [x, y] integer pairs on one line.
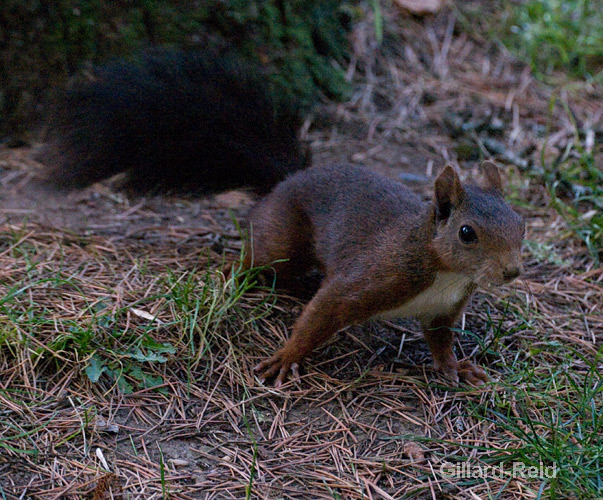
{"points": [[448, 191], [492, 179]]}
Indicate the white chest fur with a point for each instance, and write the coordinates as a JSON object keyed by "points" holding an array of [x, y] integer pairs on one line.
{"points": [[442, 297]]}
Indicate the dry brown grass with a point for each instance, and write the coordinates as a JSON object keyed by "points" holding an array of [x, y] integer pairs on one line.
{"points": [[369, 419]]}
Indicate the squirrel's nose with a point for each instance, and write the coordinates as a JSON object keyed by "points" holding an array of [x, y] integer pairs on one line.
{"points": [[512, 272]]}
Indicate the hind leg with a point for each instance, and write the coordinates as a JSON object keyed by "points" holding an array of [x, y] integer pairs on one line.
{"points": [[279, 237]]}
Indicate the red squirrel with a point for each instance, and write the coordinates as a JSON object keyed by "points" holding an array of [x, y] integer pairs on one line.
{"points": [[201, 120], [384, 253]]}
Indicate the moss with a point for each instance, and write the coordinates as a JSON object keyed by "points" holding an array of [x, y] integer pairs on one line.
{"points": [[297, 41]]}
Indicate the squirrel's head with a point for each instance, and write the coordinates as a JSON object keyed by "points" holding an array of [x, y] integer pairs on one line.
{"points": [[477, 232]]}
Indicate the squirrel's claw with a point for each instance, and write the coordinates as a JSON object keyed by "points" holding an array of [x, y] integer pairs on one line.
{"points": [[464, 371], [277, 364], [448, 371], [268, 368], [472, 374]]}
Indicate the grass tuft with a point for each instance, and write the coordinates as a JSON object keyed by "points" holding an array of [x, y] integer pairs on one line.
{"points": [[575, 186], [550, 415], [557, 35]]}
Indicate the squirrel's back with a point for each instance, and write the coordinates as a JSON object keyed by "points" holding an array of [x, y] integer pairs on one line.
{"points": [[175, 120]]}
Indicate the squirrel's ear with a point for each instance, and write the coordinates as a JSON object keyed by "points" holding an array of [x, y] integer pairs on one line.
{"points": [[448, 191], [492, 179]]}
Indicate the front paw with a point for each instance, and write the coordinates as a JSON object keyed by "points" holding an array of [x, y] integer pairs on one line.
{"points": [[464, 371], [283, 363]]}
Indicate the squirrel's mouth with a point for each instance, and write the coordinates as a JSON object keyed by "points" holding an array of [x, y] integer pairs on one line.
{"points": [[496, 275], [490, 283]]}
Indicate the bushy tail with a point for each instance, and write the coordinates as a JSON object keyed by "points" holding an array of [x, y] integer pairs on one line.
{"points": [[175, 120]]}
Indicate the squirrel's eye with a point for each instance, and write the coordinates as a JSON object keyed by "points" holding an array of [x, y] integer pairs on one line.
{"points": [[467, 234]]}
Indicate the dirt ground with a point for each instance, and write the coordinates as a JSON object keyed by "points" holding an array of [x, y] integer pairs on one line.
{"points": [[362, 420]]}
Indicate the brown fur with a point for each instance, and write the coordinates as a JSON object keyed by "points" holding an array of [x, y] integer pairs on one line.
{"points": [[381, 248]]}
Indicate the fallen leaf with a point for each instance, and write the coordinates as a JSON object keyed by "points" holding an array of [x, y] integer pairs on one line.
{"points": [[177, 462], [103, 425], [414, 452], [233, 199], [143, 314], [420, 7]]}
